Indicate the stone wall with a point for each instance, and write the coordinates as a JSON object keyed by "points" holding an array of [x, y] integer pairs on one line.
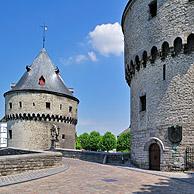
{"points": [[174, 19], [31, 123], [98, 157], [169, 102], [19, 163]]}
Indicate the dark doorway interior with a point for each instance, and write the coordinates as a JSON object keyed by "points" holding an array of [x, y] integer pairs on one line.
{"points": [[154, 157]]}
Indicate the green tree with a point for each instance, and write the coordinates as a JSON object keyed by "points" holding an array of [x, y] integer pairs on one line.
{"points": [[94, 140], [108, 142], [84, 141], [78, 144], [124, 142]]}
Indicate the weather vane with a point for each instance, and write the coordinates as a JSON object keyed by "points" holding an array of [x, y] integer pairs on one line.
{"points": [[45, 28]]}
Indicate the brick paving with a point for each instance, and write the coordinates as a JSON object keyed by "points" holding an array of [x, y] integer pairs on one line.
{"points": [[31, 175], [90, 178]]}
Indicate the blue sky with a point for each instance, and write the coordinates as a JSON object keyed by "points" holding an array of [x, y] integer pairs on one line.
{"points": [[84, 40]]}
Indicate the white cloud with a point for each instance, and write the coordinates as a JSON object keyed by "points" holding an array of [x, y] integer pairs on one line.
{"points": [[92, 56], [80, 58], [107, 39]]}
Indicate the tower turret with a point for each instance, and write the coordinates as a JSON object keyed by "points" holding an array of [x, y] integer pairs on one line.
{"points": [[159, 68], [38, 101]]}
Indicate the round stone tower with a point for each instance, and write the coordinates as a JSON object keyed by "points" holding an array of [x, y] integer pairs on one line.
{"points": [[159, 68], [37, 102]]}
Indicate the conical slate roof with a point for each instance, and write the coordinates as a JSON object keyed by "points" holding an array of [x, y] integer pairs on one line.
{"points": [[42, 75]]}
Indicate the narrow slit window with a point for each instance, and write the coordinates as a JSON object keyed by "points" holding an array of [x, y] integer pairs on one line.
{"points": [[153, 8], [164, 72], [63, 136], [20, 104], [10, 105], [10, 134], [48, 105], [70, 108], [61, 106], [143, 103]]}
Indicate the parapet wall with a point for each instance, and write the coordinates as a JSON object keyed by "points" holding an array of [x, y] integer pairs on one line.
{"points": [[12, 164], [98, 157]]}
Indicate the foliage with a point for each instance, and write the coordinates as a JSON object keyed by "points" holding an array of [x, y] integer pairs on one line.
{"points": [[124, 142], [94, 141], [78, 144], [108, 142], [84, 141]]}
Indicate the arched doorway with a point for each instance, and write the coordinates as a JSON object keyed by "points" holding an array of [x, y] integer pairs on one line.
{"points": [[154, 157]]}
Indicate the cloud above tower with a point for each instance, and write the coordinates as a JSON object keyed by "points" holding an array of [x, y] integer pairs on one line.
{"points": [[107, 39]]}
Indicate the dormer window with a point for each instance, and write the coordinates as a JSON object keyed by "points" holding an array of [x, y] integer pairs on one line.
{"points": [[41, 81]]}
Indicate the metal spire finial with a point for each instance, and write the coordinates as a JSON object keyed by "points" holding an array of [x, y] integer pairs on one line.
{"points": [[45, 28]]}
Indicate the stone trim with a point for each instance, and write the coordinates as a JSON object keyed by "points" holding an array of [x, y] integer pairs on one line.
{"points": [[154, 140], [41, 117]]}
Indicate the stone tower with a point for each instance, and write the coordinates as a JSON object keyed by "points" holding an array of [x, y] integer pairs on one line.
{"points": [[159, 68], [39, 100]]}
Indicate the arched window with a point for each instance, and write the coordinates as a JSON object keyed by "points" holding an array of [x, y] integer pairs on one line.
{"points": [[165, 49], [178, 45], [137, 61], [190, 42], [154, 54], [144, 58]]}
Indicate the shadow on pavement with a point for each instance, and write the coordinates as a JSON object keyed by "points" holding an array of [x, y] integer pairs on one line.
{"points": [[170, 186]]}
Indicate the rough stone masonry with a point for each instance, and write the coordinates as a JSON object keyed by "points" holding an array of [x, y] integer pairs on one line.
{"points": [[159, 68], [39, 100]]}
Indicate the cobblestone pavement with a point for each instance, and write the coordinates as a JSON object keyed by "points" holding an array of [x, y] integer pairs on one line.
{"points": [[90, 178]]}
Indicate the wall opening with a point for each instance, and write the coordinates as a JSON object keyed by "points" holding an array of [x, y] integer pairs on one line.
{"points": [[48, 105], [154, 54], [10, 134], [165, 50], [20, 104], [10, 105], [132, 67], [137, 61], [190, 42], [153, 8], [164, 72], [178, 45], [70, 108], [145, 59], [143, 103]]}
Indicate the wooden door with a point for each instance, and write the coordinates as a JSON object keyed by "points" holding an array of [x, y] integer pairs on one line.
{"points": [[154, 157]]}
